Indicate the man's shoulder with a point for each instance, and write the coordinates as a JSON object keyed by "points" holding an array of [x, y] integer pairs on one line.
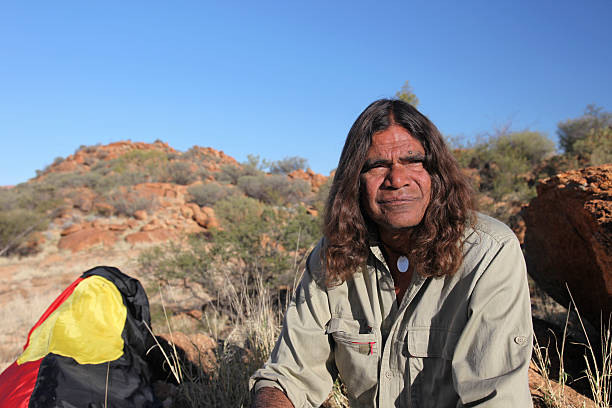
{"points": [[315, 267], [486, 227]]}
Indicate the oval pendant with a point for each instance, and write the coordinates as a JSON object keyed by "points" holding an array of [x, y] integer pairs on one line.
{"points": [[402, 263]]}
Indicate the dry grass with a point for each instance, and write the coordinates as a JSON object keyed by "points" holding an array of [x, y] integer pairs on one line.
{"points": [[598, 367], [254, 327]]}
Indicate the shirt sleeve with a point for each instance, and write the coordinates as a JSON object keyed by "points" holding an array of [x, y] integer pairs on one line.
{"points": [[491, 361], [301, 363]]}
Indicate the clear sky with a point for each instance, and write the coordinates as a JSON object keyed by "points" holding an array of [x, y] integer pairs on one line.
{"points": [[286, 78]]}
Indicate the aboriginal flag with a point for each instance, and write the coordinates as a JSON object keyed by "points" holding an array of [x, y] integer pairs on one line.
{"points": [[87, 350]]}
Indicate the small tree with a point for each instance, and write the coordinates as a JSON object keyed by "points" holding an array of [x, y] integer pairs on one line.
{"points": [[407, 95], [592, 125]]}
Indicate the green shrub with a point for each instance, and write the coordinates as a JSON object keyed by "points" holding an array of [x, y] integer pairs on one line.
{"points": [[505, 163], [209, 193], [589, 125], [231, 173], [152, 163], [15, 227], [596, 148], [127, 202], [286, 165], [274, 189], [256, 239], [180, 173]]}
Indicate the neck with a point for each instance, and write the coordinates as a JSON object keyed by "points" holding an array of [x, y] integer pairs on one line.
{"points": [[396, 242]]}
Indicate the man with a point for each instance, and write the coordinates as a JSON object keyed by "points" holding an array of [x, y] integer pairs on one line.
{"points": [[411, 297]]}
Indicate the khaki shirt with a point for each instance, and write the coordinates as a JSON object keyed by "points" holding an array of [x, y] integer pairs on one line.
{"points": [[455, 341]]}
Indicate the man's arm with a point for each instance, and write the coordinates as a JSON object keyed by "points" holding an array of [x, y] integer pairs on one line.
{"points": [[491, 360], [269, 397]]}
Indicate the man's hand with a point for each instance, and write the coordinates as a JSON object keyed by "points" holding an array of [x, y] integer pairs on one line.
{"points": [[269, 397]]}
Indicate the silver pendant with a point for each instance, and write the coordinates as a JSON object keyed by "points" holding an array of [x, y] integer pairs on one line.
{"points": [[402, 263]]}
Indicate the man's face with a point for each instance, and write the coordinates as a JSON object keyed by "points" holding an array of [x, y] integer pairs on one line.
{"points": [[395, 187]]}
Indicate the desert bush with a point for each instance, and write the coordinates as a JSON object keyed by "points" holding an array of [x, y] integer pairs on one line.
{"points": [[286, 165], [202, 173], [15, 227], [74, 179], [209, 193], [231, 173], [256, 239], [152, 163], [274, 189], [596, 148], [591, 123], [127, 202], [174, 260], [505, 162], [180, 173], [39, 197]]}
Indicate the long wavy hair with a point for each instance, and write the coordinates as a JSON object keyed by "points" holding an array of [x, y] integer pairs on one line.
{"points": [[436, 242]]}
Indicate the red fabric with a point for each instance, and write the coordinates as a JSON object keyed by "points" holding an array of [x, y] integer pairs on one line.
{"points": [[17, 383], [56, 303]]}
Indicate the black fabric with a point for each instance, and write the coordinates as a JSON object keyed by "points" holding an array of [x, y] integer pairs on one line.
{"points": [[125, 382], [62, 382]]}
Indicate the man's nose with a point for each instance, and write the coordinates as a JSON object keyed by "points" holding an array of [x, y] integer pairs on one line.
{"points": [[397, 177]]}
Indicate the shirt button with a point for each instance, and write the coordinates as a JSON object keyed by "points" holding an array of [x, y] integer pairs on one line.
{"points": [[520, 340], [388, 375]]}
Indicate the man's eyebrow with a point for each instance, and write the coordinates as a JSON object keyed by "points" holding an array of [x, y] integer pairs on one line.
{"points": [[413, 156], [376, 162]]}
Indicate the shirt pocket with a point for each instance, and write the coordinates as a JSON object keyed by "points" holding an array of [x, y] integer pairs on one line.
{"points": [[430, 352], [356, 356]]}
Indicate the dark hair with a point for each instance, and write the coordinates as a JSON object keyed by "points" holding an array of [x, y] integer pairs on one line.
{"points": [[436, 243]]}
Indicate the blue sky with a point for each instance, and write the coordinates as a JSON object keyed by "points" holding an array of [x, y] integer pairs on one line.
{"points": [[286, 78]]}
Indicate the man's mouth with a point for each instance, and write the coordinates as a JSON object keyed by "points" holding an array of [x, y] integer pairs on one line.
{"points": [[398, 201]]}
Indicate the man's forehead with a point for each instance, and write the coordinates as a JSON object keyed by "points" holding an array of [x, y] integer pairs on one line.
{"points": [[395, 140]]}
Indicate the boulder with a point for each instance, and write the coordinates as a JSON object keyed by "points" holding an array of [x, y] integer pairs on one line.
{"points": [[73, 228], [140, 215], [542, 388], [316, 180], [568, 239], [157, 235], [86, 238], [195, 349]]}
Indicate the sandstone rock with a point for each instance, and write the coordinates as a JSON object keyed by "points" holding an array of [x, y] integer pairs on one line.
{"points": [[72, 229], [312, 211], [187, 212], [197, 349], [157, 235], [211, 221], [153, 225], [316, 180], [103, 208], [83, 198], [87, 238], [99, 224], [541, 389], [140, 215], [568, 238], [160, 190], [132, 223], [117, 227]]}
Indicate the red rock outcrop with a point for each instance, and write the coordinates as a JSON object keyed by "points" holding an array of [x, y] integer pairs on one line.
{"points": [[197, 349], [146, 236], [568, 238], [86, 238], [316, 180]]}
